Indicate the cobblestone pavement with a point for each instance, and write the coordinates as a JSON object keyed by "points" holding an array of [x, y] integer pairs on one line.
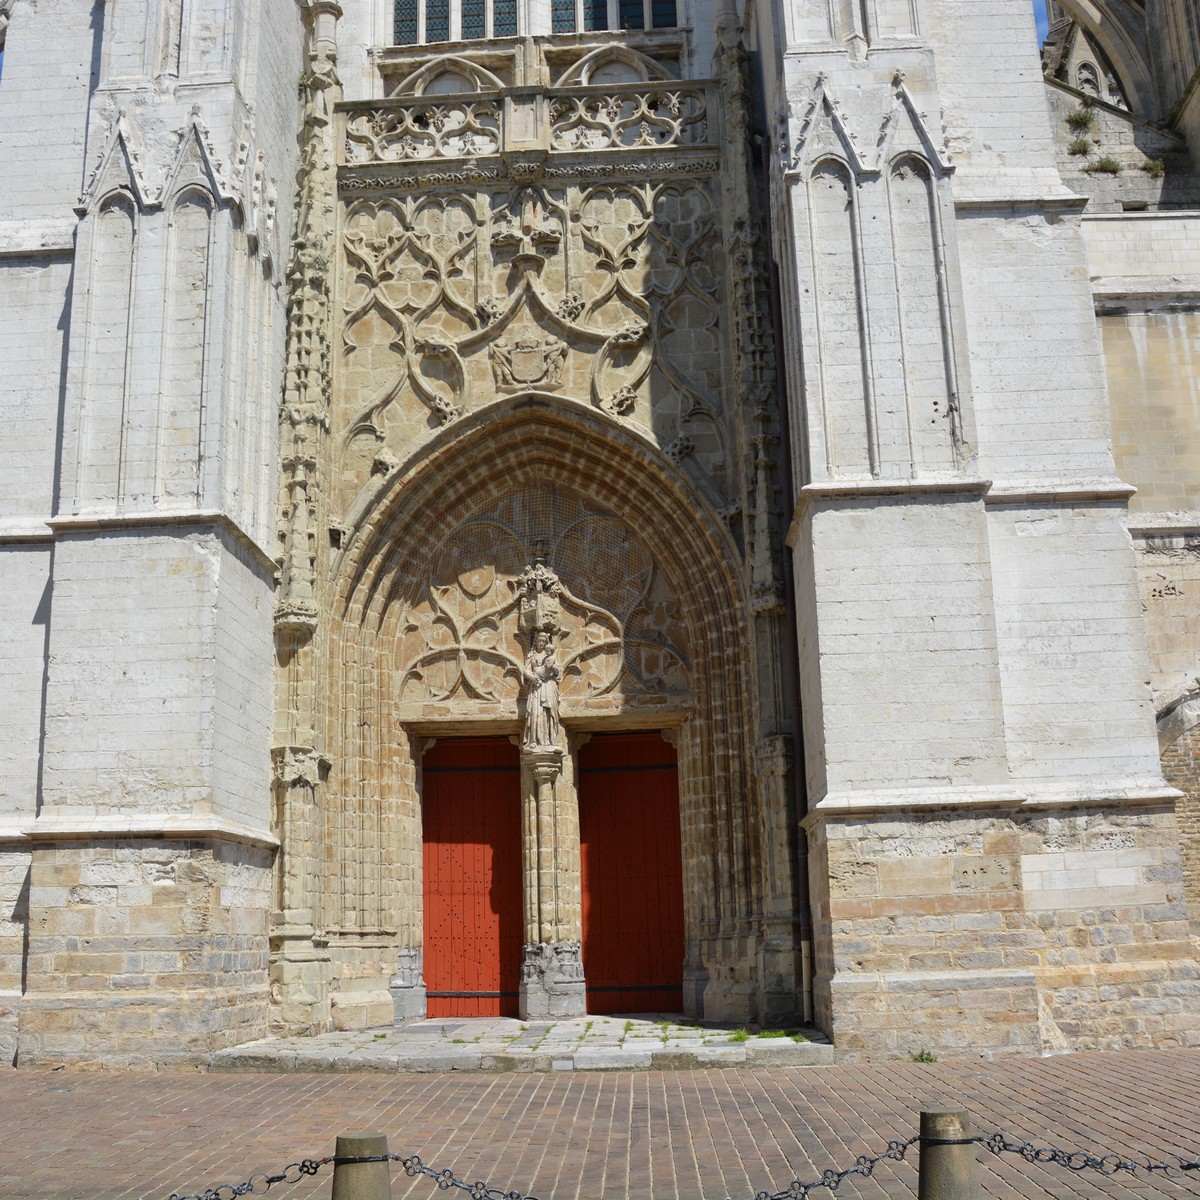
{"points": [[619, 1135], [505, 1044]]}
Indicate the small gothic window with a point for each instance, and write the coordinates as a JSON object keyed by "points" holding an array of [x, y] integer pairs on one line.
{"points": [[632, 14], [562, 16], [663, 13], [424, 21], [1087, 79]]}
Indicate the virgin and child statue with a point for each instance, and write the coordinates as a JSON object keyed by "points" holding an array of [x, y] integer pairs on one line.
{"points": [[541, 675]]}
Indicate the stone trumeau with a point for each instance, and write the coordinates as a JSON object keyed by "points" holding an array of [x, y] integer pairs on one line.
{"points": [[438, 426]]}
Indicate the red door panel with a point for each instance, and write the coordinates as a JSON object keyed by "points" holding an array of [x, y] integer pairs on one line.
{"points": [[471, 814], [632, 874]]}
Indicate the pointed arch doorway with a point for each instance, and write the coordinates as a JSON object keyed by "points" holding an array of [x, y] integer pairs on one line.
{"points": [[632, 873]]}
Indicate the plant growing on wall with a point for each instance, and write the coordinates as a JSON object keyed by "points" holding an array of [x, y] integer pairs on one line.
{"points": [[1081, 120]]}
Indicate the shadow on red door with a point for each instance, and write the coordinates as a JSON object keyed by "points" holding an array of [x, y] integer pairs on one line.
{"points": [[632, 874], [471, 815]]}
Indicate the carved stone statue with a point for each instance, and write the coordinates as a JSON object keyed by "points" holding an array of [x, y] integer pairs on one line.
{"points": [[541, 676]]}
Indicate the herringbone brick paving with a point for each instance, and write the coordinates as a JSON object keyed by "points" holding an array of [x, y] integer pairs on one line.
{"points": [[695, 1135]]}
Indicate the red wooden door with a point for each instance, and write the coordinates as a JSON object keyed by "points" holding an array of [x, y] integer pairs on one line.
{"points": [[471, 813], [632, 874]]}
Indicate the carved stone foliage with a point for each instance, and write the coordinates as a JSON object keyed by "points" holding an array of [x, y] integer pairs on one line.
{"points": [[607, 295], [463, 619]]}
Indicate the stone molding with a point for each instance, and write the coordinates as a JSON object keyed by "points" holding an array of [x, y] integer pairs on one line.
{"points": [[51, 826], [149, 521], [37, 239], [25, 529], [1006, 798]]}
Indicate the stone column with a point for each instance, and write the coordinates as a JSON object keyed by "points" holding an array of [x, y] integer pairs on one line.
{"points": [[552, 984]]}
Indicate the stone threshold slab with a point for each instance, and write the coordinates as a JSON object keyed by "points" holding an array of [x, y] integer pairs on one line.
{"points": [[500, 1044]]}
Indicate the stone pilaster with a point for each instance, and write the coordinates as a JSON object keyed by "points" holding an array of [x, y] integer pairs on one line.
{"points": [[299, 957]]}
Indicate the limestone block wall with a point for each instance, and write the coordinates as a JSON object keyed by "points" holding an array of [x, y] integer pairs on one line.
{"points": [[898, 595], [1155, 168], [1078, 714], [1181, 766], [49, 71], [1006, 932], [144, 951], [1145, 272], [146, 209], [978, 615], [24, 583], [136, 701]]}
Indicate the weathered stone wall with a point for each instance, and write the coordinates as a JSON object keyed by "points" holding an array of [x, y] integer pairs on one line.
{"points": [[141, 255], [1153, 365], [999, 933], [144, 952], [1181, 766], [1153, 168]]}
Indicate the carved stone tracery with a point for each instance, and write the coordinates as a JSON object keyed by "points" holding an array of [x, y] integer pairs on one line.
{"points": [[615, 628]]}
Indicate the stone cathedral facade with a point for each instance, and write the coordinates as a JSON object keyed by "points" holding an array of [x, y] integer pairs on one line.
{"points": [[657, 505]]}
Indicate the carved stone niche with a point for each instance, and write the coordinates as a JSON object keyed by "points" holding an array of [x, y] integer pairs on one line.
{"points": [[544, 558]]}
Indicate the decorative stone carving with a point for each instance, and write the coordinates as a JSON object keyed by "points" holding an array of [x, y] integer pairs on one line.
{"points": [[632, 117], [540, 591], [524, 227], [424, 129], [304, 414], [541, 676], [527, 362], [552, 982], [476, 599]]}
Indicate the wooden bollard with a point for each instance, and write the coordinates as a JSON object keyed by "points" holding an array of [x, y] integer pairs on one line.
{"points": [[361, 1181], [946, 1170]]}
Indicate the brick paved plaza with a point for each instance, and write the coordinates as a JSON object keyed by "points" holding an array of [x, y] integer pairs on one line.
{"points": [[566, 1135]]}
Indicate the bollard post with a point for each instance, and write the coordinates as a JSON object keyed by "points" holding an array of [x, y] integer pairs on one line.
{"points": [[361, 1181], [946, 1169]]}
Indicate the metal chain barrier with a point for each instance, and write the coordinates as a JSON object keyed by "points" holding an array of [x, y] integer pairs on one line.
{"points": [[1173, 1167], [863, 1165], [260, 1184]]}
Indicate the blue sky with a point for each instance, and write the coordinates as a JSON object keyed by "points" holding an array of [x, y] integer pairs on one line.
{"points": [[1039, 11]]}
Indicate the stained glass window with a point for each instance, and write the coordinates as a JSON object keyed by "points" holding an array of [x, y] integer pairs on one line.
{"points": [[504, 18], [562, 16], [437, 20], [472, 19], [595, 13], [406, 22]]}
